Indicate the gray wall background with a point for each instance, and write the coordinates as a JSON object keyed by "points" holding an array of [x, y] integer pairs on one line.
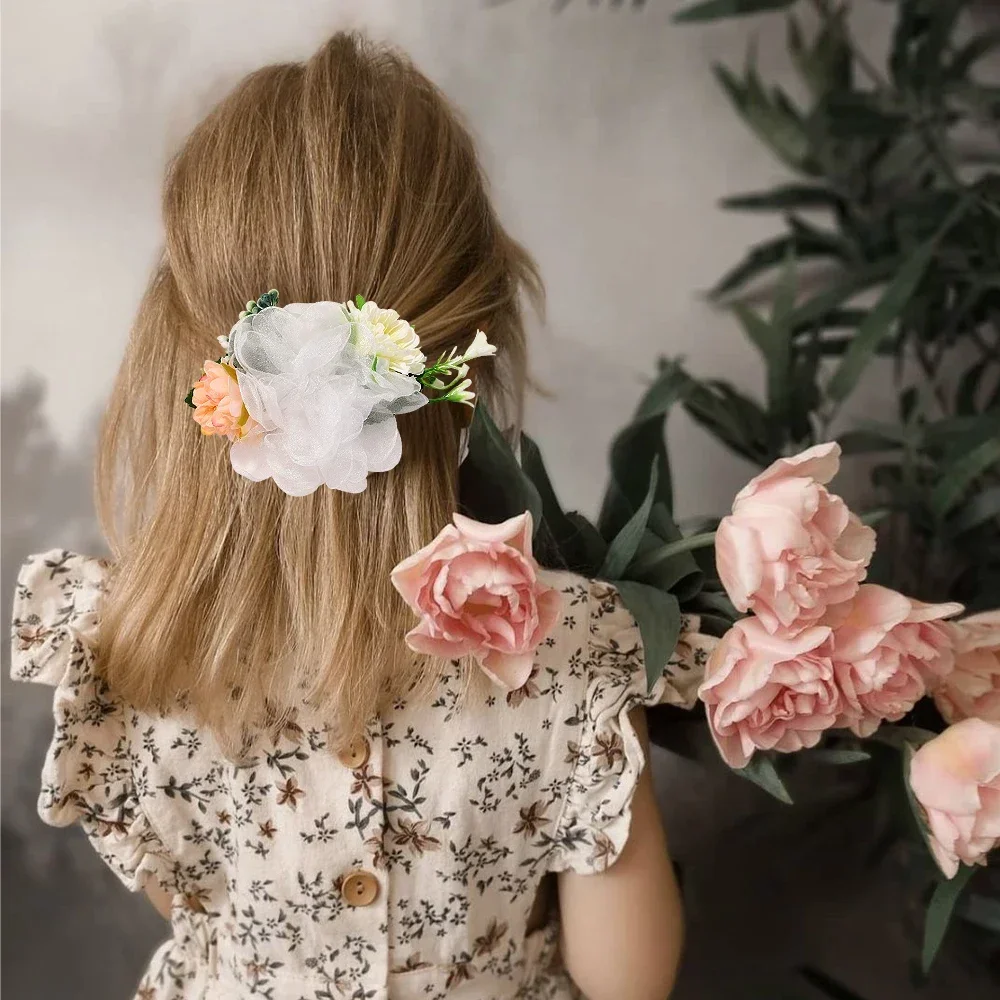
{"points": [[607, 144]]}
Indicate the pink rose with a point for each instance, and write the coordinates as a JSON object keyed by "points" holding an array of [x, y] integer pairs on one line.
{"points": [[973, 687], [477, 592], [790, 548], [887, 650], [956, 779], [218, 403], [769, 692]]}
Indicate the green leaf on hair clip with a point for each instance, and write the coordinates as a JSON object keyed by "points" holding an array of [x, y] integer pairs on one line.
{"points": [[268, 299], [189, 398], [359, 301]]}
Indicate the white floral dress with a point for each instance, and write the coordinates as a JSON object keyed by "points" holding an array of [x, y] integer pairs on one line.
{"points": [[405, 868]]}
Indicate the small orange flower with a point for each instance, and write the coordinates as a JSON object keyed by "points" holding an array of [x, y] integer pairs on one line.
{"points": [[218, 403], [267, 829]]}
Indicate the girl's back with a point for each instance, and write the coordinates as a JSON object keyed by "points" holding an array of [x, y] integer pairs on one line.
{"points": [[240, 727]]}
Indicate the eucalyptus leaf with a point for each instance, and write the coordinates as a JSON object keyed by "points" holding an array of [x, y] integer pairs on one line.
{"points": [[492, 485], [830, 755], [658, 616], [762, 772], [637, 447], [626, 542], [940, 910]]}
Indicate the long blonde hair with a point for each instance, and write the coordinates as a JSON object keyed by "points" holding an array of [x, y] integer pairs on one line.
{"points": [[348, 174]]}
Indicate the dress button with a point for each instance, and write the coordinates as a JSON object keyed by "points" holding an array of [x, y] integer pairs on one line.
{"points": [[359, 888], [355, 754]]}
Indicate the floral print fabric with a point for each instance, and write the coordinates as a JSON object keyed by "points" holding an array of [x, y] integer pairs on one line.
{"points": [[448, 816]]}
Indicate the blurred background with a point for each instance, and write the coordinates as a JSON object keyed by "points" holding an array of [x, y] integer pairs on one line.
{"points": [[608, 144]]}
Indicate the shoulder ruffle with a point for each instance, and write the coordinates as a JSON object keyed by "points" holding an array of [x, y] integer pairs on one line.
{"points": [[87, 775], [608, 759], [55, 613]]}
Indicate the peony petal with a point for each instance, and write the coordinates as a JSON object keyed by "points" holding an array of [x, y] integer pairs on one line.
{"points": [[515, 532], [421, 642], [820, 463], [508, 670]]}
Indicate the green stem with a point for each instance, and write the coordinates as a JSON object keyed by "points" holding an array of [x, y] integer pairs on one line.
{"points": [[653, 559]]}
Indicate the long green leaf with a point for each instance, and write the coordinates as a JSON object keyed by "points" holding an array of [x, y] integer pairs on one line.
{"points": [[493, 485], [774, 119], [957, 477], [841, 289], [658, 616], [626, 542], [970, 53], [637, 447], [939, 913], [831, 988], [878, 323], [735, 419], [855, 115], [762, 772], [773, 253], [712, 10], [783, 198], [558, 540], [977, 510]]}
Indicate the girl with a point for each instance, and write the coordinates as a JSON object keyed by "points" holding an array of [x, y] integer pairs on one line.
{"points": [[322, 799]]}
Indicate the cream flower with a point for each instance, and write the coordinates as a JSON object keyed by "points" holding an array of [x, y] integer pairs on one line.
{"points": [[479, 348], [382, 334]]}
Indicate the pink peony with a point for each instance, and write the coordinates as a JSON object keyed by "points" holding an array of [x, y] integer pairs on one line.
{"points": [[219, 404], [477, 592], [972, 689], [956, 779], [769, 692], [887, 650], [790, 548]]}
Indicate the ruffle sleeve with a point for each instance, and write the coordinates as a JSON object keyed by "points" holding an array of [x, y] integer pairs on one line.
{"points": [[607, 759], [87, 776]]}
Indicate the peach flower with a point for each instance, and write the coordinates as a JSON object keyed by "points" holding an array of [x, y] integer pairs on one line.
{"points": [[973, 687], [477, 590], [956, 780], [887, 650], [790, 548], [769, 692], [218, 403]]}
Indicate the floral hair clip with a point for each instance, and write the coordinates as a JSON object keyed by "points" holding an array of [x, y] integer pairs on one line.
{"points": [[308, 393]]}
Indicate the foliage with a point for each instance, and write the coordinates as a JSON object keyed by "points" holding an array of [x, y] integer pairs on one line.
{"points": [[891, 198]]}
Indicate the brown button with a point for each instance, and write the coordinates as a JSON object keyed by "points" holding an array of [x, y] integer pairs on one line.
{"points": [[359, 888], [356, 753]]}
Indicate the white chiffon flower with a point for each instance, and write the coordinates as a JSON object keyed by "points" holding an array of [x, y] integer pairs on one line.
{"points": [[325, 395]]}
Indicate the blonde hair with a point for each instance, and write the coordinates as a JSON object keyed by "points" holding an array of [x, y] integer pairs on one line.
{"points": [[347, 174]]}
